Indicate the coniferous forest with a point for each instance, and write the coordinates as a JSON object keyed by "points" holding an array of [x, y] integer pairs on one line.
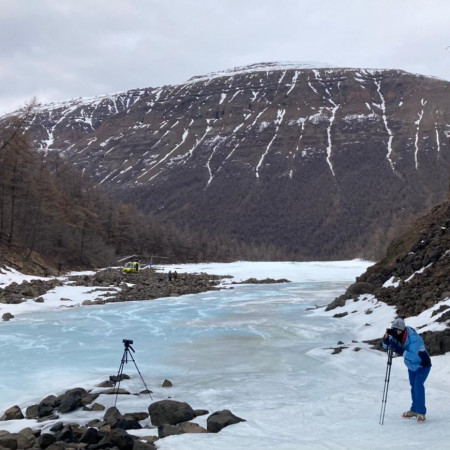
{"points": [[50, 209]]}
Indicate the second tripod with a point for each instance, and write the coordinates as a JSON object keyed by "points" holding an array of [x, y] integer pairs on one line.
{"points": [[119, 377]]}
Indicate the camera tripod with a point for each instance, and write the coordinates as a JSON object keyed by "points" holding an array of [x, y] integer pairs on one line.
{"points": [[119, 377]]}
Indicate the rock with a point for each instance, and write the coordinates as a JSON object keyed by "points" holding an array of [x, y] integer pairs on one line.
{"points": [[70, 400], [221, 419], [136, 416], [113, 416], [167, 383], [117, 438], [47, 406], [25, 438], [39, 300], [114, 391], [200, 412], [360, 287], [7, 316], [13, 413], [91, 436], [66, 434], [337, 302], [141, 445], [170, 412], [57, 427], [106, 384], [97, 407], [8, 442], [181, 428], [32, 412], [46, 439]]}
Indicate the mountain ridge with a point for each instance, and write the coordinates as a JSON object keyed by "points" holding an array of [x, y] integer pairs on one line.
{"points": [[338, 158]]}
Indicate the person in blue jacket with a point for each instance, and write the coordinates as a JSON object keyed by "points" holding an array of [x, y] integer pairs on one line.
{"points": [[406, 342]]}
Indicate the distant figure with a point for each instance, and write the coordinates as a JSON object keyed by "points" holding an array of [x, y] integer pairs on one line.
{"points": [[170, 275], [175, 275], [406, 342]]}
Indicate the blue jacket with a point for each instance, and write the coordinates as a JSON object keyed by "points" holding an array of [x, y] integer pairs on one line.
{"points": [[412, 348]]}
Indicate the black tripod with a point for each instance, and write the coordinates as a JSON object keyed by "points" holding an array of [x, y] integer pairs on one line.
{"points": [[386, 385], [119, 377]]}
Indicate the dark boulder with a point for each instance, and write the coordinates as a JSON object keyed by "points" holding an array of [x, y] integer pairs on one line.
{"points": [[47, 406], [91, 436], [46, 439], [113, 417], [221, 419], [170, 412], [116, 438]]}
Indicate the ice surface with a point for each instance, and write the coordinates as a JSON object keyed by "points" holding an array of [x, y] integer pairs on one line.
{"points": [[262, 351]]}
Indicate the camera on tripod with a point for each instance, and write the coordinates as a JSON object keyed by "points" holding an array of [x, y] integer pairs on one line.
{"points": [[119, 377]]}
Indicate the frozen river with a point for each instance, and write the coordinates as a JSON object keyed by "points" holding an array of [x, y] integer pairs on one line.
{"points": [[261, 351]]}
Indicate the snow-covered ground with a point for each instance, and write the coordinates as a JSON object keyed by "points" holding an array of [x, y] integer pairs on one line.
{"points": [[262, 351]]}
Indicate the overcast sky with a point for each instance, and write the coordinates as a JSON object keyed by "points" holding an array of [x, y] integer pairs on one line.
{"points": [[61, 49]]}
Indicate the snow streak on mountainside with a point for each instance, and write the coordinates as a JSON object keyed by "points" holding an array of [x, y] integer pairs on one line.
{"points": [[313, 160]]}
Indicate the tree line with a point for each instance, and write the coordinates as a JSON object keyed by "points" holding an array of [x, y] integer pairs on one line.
{"points": [[49, 207]]}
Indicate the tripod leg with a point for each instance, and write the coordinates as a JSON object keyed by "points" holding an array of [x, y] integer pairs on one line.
{"points": [[119, 376], [386, 386], [148, 390]]}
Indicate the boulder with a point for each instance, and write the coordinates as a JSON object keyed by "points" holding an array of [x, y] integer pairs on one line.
{"points": [[181, 428], [69, 403], [113, 416], [32, 412], [45, 440], [47, 406], [13, 413], [7, 316], [25, 438], [170, 412], [117, 438], [221, 419], [8, 441], [91, 436]]}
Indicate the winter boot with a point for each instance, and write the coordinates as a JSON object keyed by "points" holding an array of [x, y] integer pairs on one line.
{"points": [[409, 414], [421, 418]]}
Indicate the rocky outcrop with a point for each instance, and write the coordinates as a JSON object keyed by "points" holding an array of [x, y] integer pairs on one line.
{"points": [[287, 156], [147, 284], [414, 275], [17, 293]]}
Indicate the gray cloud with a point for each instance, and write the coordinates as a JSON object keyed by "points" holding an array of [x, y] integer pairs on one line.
{"points": [[60, 49]]}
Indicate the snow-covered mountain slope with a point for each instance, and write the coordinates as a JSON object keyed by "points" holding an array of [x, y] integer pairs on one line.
{"points": [[320, 162]]}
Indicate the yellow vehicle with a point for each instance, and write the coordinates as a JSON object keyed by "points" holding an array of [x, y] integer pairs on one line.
{"points": [[131, 267]]}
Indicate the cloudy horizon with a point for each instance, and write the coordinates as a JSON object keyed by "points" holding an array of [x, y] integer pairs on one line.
{"points": [[57, 50]]}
